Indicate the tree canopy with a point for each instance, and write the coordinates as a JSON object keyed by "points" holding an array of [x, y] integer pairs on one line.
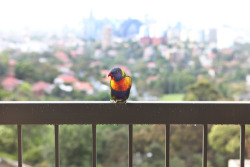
{"points": [[202, 90]]}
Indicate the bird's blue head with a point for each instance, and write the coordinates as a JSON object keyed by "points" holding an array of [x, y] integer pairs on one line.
{"points": [[117, 74]]}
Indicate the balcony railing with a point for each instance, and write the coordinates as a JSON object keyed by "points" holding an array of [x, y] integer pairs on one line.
{"points": [[94, 113]]}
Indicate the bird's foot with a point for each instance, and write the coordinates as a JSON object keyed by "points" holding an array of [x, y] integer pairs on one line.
{"points": [[121, 101], [112, 101]]}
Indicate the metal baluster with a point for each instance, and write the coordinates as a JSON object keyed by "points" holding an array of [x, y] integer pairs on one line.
{"points": [[57, 158], [130, 146], [19, 134], [242, 145], [167, 141], [93, 145], [204, 146]]}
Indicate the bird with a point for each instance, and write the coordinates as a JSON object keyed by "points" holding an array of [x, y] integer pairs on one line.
{"points": [[120, 85]]}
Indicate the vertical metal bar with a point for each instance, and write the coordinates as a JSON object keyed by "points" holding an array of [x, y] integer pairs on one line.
{"points": [[130, 146], [167, 148], [93, 145], [242, 145], [19, 134], [204, 146], [57, 159]]}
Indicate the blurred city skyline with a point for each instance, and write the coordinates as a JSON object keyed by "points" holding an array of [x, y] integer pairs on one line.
{"points": [[53, 15]]}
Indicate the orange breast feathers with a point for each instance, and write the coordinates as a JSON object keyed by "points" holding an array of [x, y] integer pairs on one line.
{"points": [[121, 85]]}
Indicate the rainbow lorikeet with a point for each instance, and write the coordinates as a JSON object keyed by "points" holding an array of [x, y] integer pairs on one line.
{"points": [[120, 85]]}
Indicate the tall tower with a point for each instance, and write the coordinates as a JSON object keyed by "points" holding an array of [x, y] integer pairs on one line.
{"points": [[213, 35], [107, 37], [90, 27]]}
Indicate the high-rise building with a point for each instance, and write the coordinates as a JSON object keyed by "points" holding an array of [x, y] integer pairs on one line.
{"points": [[213, 35], [107, 37], [130, 28], [202, 36], [89, 27], [92, 27]]}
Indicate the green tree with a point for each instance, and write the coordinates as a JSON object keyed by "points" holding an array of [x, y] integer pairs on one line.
{"points": [[113, 144], [226, 139], [25, 71], [3, 65], [22, 93], [35, 72], [8, 144], [225, 142], [75, 145], [186, 141], [37, 145], [202, 90], [149, 144], [3, 94], [225, 89], [46, 72]]}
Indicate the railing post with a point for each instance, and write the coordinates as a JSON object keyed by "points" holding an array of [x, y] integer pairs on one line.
{"points": [[204, 146], [167, 148], [130, 146], [93, 145], [242, 145], [57, 158], [19, 134]]}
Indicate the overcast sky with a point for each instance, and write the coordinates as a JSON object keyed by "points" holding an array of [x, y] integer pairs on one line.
{"points": [[46, 14]]}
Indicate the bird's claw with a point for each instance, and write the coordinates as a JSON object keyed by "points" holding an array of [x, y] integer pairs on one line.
{"points": [[112, 101], [118, 101]]}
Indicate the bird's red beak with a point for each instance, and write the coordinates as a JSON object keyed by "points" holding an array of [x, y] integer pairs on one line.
{"points": [[110, 75]]}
